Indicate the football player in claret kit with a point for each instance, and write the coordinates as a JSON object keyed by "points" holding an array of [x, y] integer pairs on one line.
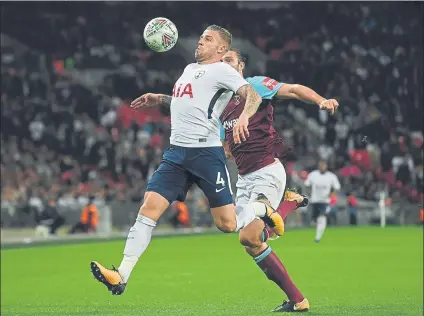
{"points": [[261, 174], [195, 154]]}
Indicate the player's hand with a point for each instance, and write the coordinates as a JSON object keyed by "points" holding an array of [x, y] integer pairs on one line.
{"points": [[146, 100], [330, 105], [240, 131]]}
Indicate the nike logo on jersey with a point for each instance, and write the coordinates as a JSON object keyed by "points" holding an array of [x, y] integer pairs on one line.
{"points": [[219, 190]]}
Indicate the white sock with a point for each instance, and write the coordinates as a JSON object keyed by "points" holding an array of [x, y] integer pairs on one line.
{"points": [[321, 225], [137, 241], [259, 208], [245, 214]]}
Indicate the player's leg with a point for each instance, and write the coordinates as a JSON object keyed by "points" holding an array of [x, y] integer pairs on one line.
{"points": [[314, 217], [167, 184], [259, 183], [212, 177], [268, 182], [228, 218], [209, 167], [140, 234], [320, 210], [271, 265], [244, 214], [292, 200]]}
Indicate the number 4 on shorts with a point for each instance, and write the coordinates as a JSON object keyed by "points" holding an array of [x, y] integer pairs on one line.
{"points": [[219, 179]]}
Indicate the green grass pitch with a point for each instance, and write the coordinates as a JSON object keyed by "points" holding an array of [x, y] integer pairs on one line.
{"points": [[353, 271]]}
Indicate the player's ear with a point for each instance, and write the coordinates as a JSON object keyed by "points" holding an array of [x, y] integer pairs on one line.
{"points": [[242, 65], [222, 49]]}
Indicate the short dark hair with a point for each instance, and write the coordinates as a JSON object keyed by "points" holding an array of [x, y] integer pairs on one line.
{"points": [[224, 33], [238, 53]]}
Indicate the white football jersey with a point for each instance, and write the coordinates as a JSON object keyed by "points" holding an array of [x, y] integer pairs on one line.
{"points": [[321, 185], [198, 99]]}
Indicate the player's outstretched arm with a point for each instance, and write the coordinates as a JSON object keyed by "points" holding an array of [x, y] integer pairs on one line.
{"points": [[253, 100], [165, 100], [305, 94], [149, 100]]}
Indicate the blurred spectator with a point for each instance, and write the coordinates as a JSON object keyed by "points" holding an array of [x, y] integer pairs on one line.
{"points": [[403, 168], [50, 217], [89, 218], [341, 133], [36, 205], [37, 128], [386, 158], [352, 207], [332, 215], [180, 216], [325, 152], [419, 170]]}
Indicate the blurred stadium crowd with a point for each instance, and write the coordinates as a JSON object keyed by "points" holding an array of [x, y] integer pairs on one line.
{"points": [[67, 137]]}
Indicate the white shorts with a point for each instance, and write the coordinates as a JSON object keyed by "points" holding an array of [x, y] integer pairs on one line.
{"points": [[270, 181]]}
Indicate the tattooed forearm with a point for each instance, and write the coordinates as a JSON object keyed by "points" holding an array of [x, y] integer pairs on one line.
{"points": [[253, 99], [165, 100]]}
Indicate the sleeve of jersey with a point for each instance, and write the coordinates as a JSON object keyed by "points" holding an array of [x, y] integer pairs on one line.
{"points": [[221, 131], [308, 181], [229, 78], [266, 87], [336, 183]]}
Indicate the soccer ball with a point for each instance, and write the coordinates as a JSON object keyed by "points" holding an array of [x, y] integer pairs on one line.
{"points": [[160, 34]]}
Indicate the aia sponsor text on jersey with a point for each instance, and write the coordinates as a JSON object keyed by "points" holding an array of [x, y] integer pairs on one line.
{"points": [[182, 90]]}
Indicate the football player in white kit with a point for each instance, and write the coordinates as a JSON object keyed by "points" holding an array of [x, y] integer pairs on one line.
{"points": [[322, 183], [195, 154]]}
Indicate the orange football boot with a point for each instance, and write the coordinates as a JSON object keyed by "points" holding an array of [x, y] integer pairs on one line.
{"points": [[109, 277]]}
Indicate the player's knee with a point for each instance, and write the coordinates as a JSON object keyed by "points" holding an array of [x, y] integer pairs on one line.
{"points": [[146, 209], [154, 206], [223, 218], [250, 239], [225, 224], [251, 235]]}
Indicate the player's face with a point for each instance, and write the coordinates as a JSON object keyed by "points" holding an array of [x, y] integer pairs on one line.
{"points": [[231, 59], [209, 47], [323, 166]]}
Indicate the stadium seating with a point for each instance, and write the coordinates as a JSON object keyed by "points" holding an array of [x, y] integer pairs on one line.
{"points": [[371, 67]]}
